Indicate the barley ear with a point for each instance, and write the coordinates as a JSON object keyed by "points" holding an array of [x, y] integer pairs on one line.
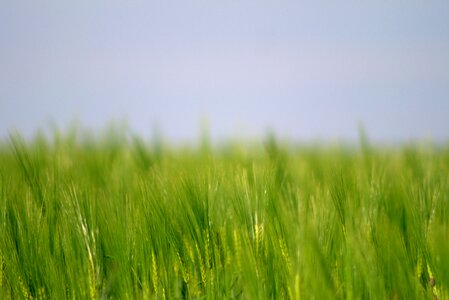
{"points": [[154, 273], [1, 271]]}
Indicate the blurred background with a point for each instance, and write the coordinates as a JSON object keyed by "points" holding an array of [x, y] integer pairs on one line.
{"points": [[312, 70]]}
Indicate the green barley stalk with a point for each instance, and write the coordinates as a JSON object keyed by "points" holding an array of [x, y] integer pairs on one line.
{"points": [[371, 224]]}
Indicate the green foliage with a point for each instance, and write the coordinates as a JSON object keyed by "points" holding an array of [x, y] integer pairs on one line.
{"points": [[118, 218]]}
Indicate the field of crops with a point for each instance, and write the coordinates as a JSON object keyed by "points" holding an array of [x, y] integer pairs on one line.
{"points": [[114, 217]]}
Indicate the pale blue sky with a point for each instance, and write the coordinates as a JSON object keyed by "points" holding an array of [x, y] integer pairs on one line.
{"points": [[306, 70]]}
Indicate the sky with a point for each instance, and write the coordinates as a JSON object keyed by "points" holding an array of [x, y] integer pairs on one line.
{"points": [[305, 70]]}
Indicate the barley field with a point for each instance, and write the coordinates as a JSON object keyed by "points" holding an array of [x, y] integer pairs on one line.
{"points": [[119, 217]]}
